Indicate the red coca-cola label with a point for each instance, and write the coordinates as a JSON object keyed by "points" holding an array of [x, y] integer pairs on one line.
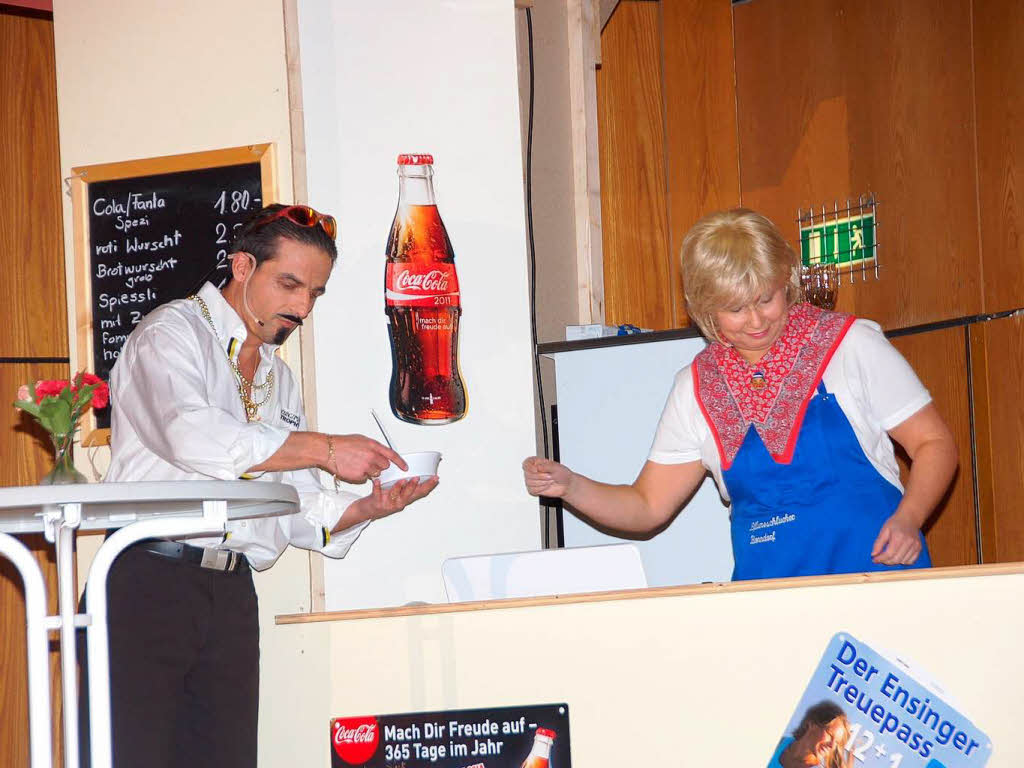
{"points": [[421, 285], [355, 739]]}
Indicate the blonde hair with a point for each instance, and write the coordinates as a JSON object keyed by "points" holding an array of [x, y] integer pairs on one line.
{"points": [[731, 257], [823, 714]]}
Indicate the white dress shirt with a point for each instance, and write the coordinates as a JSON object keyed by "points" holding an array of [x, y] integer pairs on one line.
{"points": [[176, 414]]}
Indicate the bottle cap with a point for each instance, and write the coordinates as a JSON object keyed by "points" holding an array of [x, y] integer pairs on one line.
{"points": [[420, 159], [546, 732]]}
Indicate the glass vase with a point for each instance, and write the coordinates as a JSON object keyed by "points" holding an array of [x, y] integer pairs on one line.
{"points": [[63, 472]]}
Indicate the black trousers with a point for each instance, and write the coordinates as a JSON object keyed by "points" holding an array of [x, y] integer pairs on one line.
{"points": [[184, 665]]}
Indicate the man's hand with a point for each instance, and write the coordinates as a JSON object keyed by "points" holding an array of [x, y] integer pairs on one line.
{"points": [[358, 458], [386, 501]]}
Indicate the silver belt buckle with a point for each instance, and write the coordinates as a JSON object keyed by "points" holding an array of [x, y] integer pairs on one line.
{"points": [[217, 559]]}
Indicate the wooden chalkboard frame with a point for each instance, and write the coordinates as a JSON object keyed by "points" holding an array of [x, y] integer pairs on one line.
{"points": [[83, 176]]}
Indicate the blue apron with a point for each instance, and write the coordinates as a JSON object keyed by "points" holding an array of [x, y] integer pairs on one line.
{"points": [[819, 514]]}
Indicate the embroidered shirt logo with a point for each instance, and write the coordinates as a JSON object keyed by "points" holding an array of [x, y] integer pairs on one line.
{"points": [[290, 418]]}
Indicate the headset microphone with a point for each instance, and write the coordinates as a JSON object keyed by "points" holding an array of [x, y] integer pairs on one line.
{"points": [[245, 292]]}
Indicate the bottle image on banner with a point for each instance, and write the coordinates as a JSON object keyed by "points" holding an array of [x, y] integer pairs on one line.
{"points": [[540, 755], [421, 300]]}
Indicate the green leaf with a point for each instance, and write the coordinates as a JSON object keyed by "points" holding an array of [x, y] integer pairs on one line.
{"points": [[85, 398], [55, 415], [28, 406]]}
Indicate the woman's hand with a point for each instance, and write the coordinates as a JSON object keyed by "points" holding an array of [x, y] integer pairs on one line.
{"points": [[386, 501], [898, 542], [642, 507], [545, 477], [933, 461]]}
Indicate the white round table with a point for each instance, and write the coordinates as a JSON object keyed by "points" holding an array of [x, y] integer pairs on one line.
{"points": [[141, 511]]}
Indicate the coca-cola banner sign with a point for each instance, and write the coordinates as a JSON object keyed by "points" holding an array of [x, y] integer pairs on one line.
{"points": [[535, 736]]}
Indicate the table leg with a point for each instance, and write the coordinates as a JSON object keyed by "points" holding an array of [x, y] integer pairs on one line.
{"points": [[39, 714], [68, 651], [96, 600]]}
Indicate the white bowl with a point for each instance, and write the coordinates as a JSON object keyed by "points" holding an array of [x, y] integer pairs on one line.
{"points": [[422, 464]]}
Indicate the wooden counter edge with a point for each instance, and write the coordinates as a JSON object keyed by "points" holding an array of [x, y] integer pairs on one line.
{"points": [[651, 592]]}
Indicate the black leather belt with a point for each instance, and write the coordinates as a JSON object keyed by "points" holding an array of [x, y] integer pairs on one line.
{"points": [[211, 558]]}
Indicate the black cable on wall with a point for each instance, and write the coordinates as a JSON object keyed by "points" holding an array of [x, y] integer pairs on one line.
{"points": [[533, 261]]}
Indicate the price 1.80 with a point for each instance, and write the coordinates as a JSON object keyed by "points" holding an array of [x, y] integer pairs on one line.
{"points": [[235, 201]]}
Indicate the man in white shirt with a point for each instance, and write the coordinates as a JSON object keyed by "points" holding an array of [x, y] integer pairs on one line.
{"points": [[198, 393]]}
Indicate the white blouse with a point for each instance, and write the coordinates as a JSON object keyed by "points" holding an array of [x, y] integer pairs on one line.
{"points": [[873, 384]]}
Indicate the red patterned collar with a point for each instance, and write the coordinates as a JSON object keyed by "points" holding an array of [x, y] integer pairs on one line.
{"points": [[773, 393]]}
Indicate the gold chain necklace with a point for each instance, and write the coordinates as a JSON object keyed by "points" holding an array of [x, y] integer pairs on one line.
{"points": [[244, 385]]}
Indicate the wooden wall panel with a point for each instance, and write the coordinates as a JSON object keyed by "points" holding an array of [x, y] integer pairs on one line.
{"points": [[31, 239], [1003, 527], [999, 79], [34, 301], [700, 120], [940, 360], [837, 98], [832, 99], [637, 277]]}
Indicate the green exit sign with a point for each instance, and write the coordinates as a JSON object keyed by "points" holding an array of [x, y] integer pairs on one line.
{"points": [[845, 242]]}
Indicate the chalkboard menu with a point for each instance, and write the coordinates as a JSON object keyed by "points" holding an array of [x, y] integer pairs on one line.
{"points": [[157, 237]]}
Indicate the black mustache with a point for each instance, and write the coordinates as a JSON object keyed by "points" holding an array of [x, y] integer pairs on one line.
{"points": [[292, 319]]}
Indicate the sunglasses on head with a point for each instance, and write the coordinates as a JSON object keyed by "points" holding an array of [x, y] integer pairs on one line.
{"points": [[304, 216]]}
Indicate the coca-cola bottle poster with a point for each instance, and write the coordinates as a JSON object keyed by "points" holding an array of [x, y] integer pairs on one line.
{"points": [[533, 736], [422, 303], [866, 710]]}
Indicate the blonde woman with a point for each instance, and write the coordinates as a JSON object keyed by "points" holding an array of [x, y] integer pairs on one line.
{"points": [[820, 740], [791, 409]]}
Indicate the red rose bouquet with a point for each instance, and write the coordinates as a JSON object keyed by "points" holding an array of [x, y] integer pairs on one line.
{"points": [[57, 406]]}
